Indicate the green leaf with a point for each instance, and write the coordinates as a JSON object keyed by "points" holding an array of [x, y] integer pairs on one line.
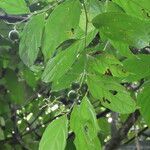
{"points": [[94, 7], [143, 100], [138, 67], [103, 62], [31, 40], [55, 135], [122, 48], [140, 8], [14, 6], [112, 7], [60, 26], [73, 75], [16, 88], [111, 94], [5, 29], [84, 124], [30, 77], [124, 28], [105, 129], [2, 137], [59, 65]]}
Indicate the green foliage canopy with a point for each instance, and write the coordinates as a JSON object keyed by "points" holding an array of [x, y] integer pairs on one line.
{"points": [[66, 64]]}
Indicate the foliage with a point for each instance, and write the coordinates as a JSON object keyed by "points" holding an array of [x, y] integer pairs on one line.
{"points": [[67, 66]]}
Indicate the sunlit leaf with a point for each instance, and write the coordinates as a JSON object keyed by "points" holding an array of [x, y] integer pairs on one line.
{"points": [[140, 8], [60, 26], [106, 63], [61, 63], [55, 135], [111, 94], [138, 67], [124, 28], [14, 6], [84, 124]]}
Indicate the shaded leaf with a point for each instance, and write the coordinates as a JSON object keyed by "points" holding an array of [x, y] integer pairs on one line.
{"points": [[143, 100], [2, 137], [31, 40], [30, 77], [16, 88]]}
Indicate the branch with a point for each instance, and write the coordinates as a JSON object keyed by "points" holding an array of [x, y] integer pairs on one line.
{"points": [[30, 124], [115, 141], [114, 123], [16, 135], [39, 126], [13, 18], [139, 133]]}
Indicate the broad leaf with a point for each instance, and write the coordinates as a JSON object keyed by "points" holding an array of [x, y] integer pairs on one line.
{"points": [[143, 99], [104, 62], [138, 67], [60, 26], [74, 74], [122, 48], [16, 88], [55, 135], [59, 65], [140, 8], [2, 137], [84, 124], [31, 40], [112, 7], [14, 6], [121, 27], [94, 7], [30, 77], [111, 94], [4, 29]]}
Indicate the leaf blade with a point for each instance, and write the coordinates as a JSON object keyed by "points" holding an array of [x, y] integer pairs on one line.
{"points": [[53, 36], [83, 122], [122, 27], [14, 7], [31, 40], [102, 88], [55, 135]]}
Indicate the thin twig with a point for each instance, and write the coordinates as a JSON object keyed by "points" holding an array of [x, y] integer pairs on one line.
{"points": [[138, 134]]}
